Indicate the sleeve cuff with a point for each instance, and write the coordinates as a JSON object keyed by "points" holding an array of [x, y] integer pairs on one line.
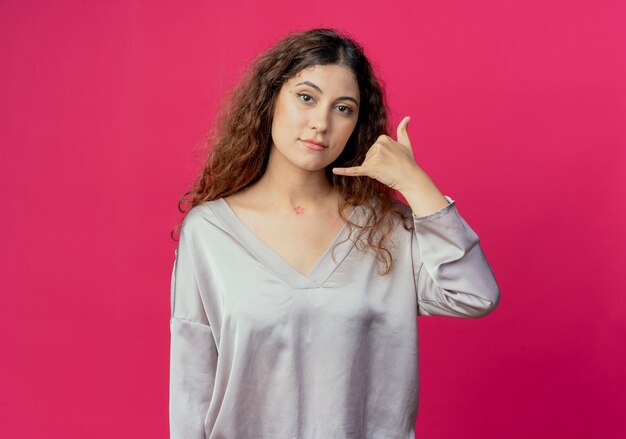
{"points": [[438, 213]]}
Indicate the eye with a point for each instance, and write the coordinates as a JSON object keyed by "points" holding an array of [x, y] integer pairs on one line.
{"points": [[343, 108], [348, 110], [302, 95]]}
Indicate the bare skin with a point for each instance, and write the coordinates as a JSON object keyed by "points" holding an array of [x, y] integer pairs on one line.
{"points": [[301, 236], [293, 208]]}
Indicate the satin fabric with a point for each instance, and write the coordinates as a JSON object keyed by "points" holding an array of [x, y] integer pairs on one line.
{"points": [[259, 350]]}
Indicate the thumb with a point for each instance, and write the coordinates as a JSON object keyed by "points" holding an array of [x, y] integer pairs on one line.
{"points": [[403, 135]]}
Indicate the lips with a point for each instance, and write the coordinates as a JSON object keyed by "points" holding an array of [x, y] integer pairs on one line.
{"points": [[316, 142], [313, 146]]}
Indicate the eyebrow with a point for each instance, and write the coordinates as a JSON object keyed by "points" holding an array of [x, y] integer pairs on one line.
{"points": [[309, 83]]}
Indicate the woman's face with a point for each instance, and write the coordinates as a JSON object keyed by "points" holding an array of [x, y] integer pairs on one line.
{"points": [[319, 103]]}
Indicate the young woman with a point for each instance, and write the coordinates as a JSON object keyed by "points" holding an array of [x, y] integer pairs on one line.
{"points": [[298, 274]]}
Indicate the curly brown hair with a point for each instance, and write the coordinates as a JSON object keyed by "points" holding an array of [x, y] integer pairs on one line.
{"points": [[238, 143]]}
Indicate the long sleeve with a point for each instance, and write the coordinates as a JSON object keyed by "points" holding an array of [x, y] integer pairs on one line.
{"points": [[452, 275], [193, 353]]}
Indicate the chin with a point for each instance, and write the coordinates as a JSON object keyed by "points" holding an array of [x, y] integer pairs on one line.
{"points": [[310, 165]]}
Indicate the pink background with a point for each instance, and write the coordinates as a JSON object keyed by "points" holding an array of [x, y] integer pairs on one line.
{"points": [[518, 112]]}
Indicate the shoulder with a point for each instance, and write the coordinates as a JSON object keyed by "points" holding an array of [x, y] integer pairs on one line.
{"points": [[201, 218], [401, 211], [401, 208], [399, 214]]}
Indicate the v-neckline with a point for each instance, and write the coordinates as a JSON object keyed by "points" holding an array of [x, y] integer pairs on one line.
{"points": [[278, 265]]}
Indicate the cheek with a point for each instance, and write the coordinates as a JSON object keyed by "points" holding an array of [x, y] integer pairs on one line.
{"points": [[289, 117], [347, 130]]}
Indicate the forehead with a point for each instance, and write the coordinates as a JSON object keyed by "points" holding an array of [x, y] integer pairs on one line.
{"points": [[331, 78]]}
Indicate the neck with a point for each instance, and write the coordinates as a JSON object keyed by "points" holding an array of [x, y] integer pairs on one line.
{"points": [[286, 186]]}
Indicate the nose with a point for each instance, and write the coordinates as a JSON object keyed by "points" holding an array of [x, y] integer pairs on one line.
{"points": [[319, 119]]}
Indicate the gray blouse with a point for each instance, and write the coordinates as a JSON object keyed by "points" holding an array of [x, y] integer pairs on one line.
{"points": [[259, 350]]}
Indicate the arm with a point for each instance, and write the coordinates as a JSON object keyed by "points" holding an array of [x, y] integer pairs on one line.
{"points": [[193, 353], [452, 275]]}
